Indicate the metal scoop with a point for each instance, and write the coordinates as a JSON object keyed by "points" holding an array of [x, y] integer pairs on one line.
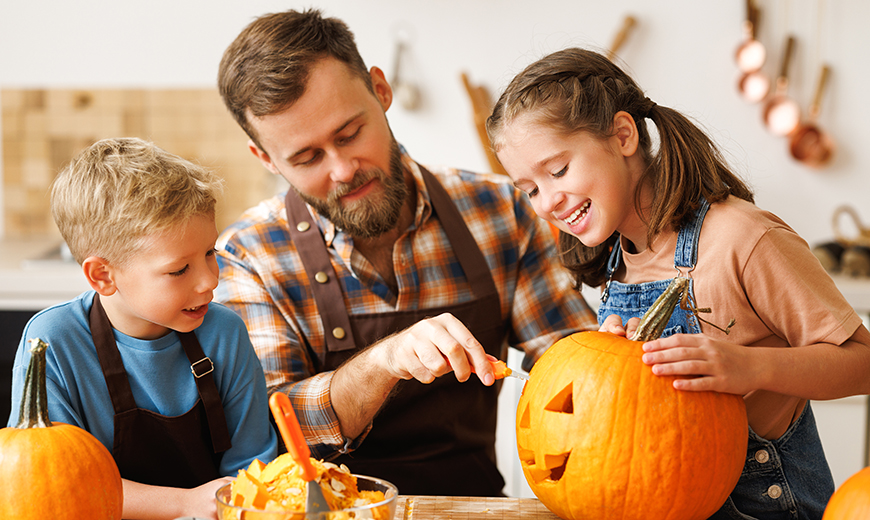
{"points": [[288, 425]]}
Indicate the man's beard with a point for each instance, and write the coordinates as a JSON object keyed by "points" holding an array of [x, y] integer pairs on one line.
{"points": [[368, 217]]}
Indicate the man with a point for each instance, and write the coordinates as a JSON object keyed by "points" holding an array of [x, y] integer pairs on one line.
{"points": [[373, 278]]}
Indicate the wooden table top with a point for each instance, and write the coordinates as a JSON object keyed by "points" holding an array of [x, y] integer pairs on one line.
{"points": [[470, 508]]}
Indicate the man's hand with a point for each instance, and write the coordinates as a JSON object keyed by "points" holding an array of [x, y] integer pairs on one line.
{"points": [[424, 351], [434, 347]]}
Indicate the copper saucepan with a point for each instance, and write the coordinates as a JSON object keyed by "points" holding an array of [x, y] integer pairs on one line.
{"points": [[753, 85], [809, 144], [751, 54], [781, 113]]}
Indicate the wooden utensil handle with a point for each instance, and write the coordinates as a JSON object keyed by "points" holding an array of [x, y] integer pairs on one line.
{"points": [[789, 47], [820, 88]]}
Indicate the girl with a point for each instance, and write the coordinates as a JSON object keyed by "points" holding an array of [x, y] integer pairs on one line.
{"points": [[571, 132]]}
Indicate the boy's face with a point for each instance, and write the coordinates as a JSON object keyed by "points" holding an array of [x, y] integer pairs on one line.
{"points": [[167, 283]]}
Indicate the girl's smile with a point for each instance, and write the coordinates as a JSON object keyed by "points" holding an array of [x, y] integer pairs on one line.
{"points": [[574, 218]]}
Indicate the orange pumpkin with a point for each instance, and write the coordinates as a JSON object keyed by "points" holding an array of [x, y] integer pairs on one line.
{"points": [[600, 436], [56, 471], [852, 498]]}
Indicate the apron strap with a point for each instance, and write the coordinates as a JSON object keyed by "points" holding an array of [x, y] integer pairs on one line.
{"points": [[110, 358], [322, 278], [470, 257], [203, 374]]}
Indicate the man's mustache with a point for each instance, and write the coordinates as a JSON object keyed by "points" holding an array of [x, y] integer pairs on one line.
{"points": [[359, 179]]}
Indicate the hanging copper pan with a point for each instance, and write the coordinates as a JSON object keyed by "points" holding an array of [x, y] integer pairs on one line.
{"points": [[810, 144], [781, 113], [751, 54], [753, 84]]}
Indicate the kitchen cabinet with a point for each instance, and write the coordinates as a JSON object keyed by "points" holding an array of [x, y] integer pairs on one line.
{"points": [[12, 324]]}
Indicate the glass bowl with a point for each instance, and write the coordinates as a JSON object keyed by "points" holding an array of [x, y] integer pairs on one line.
{"points": [[385, 509]]}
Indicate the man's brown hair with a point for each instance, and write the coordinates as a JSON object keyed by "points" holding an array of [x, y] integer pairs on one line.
{"points": [[266, 68]]}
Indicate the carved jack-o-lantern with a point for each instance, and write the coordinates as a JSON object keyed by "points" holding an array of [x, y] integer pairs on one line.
{"points": [[600, 436]]}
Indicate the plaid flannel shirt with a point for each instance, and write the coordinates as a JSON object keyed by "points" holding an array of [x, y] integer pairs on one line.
{"points": [[263, 280]]}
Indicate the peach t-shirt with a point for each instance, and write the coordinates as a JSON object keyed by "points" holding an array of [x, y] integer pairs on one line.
{"points": [[754, 268]]}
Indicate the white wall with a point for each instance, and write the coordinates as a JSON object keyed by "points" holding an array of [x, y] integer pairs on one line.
{"points": [[681, 52]]}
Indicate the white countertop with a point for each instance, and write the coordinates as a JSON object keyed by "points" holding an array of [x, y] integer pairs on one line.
{"points": [[33, 285]]}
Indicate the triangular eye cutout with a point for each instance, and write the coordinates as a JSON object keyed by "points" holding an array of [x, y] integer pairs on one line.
{"points": [[563, 402]]}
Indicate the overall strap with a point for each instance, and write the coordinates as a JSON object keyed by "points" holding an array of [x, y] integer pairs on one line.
{"points": [[686, 252], [612, 266]]}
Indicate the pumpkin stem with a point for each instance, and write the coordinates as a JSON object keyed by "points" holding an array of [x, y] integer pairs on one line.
{"points": [[654, 320], [34, 402]]}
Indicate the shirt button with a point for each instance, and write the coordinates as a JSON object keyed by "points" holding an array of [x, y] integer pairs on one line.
{"points": [[762, 456], [321, 277], [338, 333], [303, 226], [774, 491]]}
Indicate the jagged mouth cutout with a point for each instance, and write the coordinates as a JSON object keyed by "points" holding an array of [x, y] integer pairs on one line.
{"points": [[553, 466]]}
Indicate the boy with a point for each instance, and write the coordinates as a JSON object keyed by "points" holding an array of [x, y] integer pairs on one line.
{"points": [[167, 380]]}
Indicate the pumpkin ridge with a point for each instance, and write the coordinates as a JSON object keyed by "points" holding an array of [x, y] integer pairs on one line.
{"points": [[635, 435]]}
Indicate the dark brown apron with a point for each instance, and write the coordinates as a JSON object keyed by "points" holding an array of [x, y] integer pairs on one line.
{"points": [[435, 439], [150, 448]]}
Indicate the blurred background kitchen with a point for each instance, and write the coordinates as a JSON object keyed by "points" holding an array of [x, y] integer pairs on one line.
{"points": [[74, 72]]}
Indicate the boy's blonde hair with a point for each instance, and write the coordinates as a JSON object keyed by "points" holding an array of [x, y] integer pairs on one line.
{"points": [[117, 191]]}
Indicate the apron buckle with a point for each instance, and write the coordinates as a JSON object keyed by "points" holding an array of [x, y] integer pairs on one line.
{"points": [[195, 371]]}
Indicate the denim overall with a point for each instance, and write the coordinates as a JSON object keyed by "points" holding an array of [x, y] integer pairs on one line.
{"points": [[786, 478]]}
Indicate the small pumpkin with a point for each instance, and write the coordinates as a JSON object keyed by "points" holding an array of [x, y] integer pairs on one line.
{"points": [[54, 470], [600, 436], [851, 501]]}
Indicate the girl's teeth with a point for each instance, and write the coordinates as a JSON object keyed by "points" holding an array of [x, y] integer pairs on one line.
{"points": [[578, 214]]}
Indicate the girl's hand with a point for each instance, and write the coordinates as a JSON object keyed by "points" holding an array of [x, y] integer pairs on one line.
{"points": [[708, 364], [613, 325]]}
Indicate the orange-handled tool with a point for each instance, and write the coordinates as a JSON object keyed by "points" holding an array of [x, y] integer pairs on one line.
{"points": [[291, 432], [500, 369]]}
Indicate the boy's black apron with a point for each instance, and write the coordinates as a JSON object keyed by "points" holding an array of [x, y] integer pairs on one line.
{"points": [[435, 439], [182, 451]]}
